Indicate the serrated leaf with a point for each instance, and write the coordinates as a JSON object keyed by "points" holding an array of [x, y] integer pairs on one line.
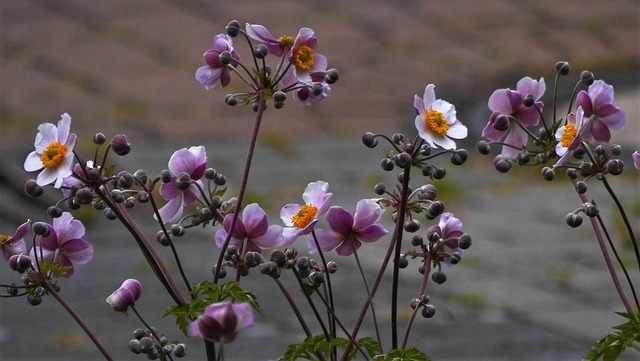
{"points": [[611, 346], [411, 354]]}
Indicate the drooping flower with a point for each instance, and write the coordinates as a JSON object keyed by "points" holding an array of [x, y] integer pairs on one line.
{"points": [[569, 136], [275, 46], [303, 57], [125, 296], [436, 120], [349, 232], [636, 159], [216, 71], [448, 231], [54, 152], [191, 162], [598, 107], [222, 321], [507, 102], [253, 226], [301, 218], [15, 244], [64, 244]]}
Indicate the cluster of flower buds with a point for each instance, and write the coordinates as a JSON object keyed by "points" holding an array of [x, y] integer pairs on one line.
{"points": [[300, 70], [427, 310], [147, 342], [307, 270]]}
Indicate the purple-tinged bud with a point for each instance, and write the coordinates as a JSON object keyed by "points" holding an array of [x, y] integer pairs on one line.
{"points": [[332, 267], [54, 211], [260, 51], [210, 173], [134, 346], [278, 257], [403, 262], [615, 166], [279, 96], [177, 230], [99, 138], [117, 196], [572, 173], [379, 189], [331, 76], [548, 174], [398, 138], [268, 268], [165, 176], [41, 229], [205, 213], [412, 226], [84, 196], [459, 157], [428, 169], [225, 58], [317, 278], [12, 290], [563, 68], [33, 299], [403, 160], [110, 214], [180, 350], [221, 274], [368, 139], [586, 77], [220, 179], [252, 259], [143, 197], [147, 345], [591, 210], [455, 258], [581, 187], [528, 100], [139, 333], [417, 241], [428, 311], [464, 242], [19, 262], [222, 321], [501, 165], [435, 209], [616, 149], [428, 192], [183, 181], [32, 189], [483, 147], [439, 173], [120, 144], [162, 238], [231, 100], [125, 296], [439, 277], [317, 89], [573, 220], [523, 157], [502, 122], [600, 150], [125, 179], [233, 28], [387, 164], [141, 176], [302, 263]]}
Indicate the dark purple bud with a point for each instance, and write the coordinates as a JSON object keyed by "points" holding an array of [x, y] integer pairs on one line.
{"points": [[54, 211], [110, 214], [33, 299], [403, 262], [435, 209], [210, 173], [180, 350], [279, 96], [331, 76], [141, 175], [139, 333], [417, 241], [591, 210], [162, 238], [302, 263], [379, 189], [563, 68], [84, 196], [233, 28], [332, 267], [134, 346], [412, 226], [459, 157], [615, 166], [125, 179], [146, 345], [252, 259], [403, 160], [501, 123], [231, 100], [225, 58], [523, 157], [455, 258], [428, 169], [260, 51], [99, 138], [19, 262], [369, 140], [117, 196], [573, 220], [581, 187], [541, 158], [572, 173], [317, 277], [143, 197], [41, 229], [220, 180], [387, 164], [586, 77], [120, 144], [483, 147], [528, 100], [397, 138], [616, 149], [548, 174], [428, 311], [464, 241], [428, 192], [600, 150], [269, 268], [221, 274], [439, 173], [177, 230], [439, 277], [183, 181], [32, 189], [501, 165]]}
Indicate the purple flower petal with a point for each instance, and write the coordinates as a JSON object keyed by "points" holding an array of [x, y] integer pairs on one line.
{"points": [[340, 220], [371, 233], [367, 213], [78, 251]]}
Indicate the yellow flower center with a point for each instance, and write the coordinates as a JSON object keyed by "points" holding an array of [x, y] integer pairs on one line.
{"points": [[306, 214], [53, 155], [5, 239], [286, 40], [304, 57], [436, 121], [568, 135]]}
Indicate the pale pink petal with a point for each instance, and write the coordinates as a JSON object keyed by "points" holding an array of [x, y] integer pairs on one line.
{"points": [[33, 162]]}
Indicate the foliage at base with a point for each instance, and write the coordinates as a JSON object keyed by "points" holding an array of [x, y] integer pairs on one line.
{"points": [[612, 346]]}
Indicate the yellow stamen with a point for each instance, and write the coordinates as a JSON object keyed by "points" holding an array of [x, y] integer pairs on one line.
{"points": [[53, 155], [286, 40], [306, 214], [304, 57], [436, 121], [5, 239], [568, 135]]}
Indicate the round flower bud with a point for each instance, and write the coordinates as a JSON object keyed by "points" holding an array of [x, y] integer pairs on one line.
{"points": [[464, 242], [166, 349], [483, 147], [162, 238], [615, 166], [110, 214], [317, 89], [142, 197], [41, 229], [138, 333], [12, 290], [439, 173], [331, 76], [125, 296], [435, 209], [459, 157], [379, 189], [146, 345], [412, 226], [117, 196], [573, 220], [134, 346], [586, 77], [428, 169], [252, 259], [279, 96], [177, 230], [120, 144], [369, 140], [428, 311], [302, 263], [268, 268], [225, 58], [332, 267], [279, 258], [220, 179], [403, 160], [528, 100], [563, 68], [439, 277], [502, 122], [616, 149], [591, 210], [599, 150], [32, 189], [260, 51], [541, 158], [387, 164], [398, 138], [54, 211], [427, 192], [233, 28], [231, 100], [99, 138], [572, 173], [205, 213], [548, 174], [180, 350], [317, 277], [417, 241], [141, 176], [165, 176], [403, 262], [19, 262], [501, 165], [33, 299], [523, 157], [210, 173], [581, 187], [84, 196], [125, 179], [73, 203], [455, 258], [221, 274], [183, 181]]}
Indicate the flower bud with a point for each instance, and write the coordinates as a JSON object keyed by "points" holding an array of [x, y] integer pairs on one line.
{"points": [[417, 241], [428, 192], [459, 157], [528, 100], [110, 214], [134, 346], [225, 58], [464, 242], [591, 210], [332, 267], [146, 345], [143, 197], [117, 196], [523, 157], [125, 296], [548, 174], [439, 277], [563, 68], [501, 165], [403, 160], [616, 149], [581, 187], [99, 139], [483, 147], [252, 259], [54, 211], [84, 196], [19, 262], [231, 100], [162, 238], [279, 96], [222, 321], [165, 176], [41, 229], [387, 164], [32, 189], [573, 220], [120, 144], [439, 173], [177, 230], [183, 181], [210, 173], [501, 123], [125, 179], [220, 180], [541, 158], [317, 277], [586, 77], [412, 226], [221, 274], [180, 350], [260, 51], [331, 76], [435, 209], [233, 28], [379, 189], [369, 140], [33, 299], [403, 262], [302, 263], [317, 89], [615, 166], [141, 176], [428, 311]]}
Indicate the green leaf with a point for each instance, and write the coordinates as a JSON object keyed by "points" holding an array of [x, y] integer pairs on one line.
{"points": [[612, 345], [56, 269], [411, 354], [318, 344]]}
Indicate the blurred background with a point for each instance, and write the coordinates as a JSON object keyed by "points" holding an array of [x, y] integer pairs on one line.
{"points": [[530, 288]]}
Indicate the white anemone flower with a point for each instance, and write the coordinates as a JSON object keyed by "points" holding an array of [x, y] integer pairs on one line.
{"points": [[436, 120]]}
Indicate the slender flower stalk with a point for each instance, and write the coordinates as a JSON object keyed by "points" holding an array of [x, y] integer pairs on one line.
{"points": [[421, 294]]}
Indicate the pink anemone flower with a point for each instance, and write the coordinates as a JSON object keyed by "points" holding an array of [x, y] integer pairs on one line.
{"points": [[253, 226]]}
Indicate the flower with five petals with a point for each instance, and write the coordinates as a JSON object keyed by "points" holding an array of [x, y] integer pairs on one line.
{"points": [[253, 226], [436, 120]]}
